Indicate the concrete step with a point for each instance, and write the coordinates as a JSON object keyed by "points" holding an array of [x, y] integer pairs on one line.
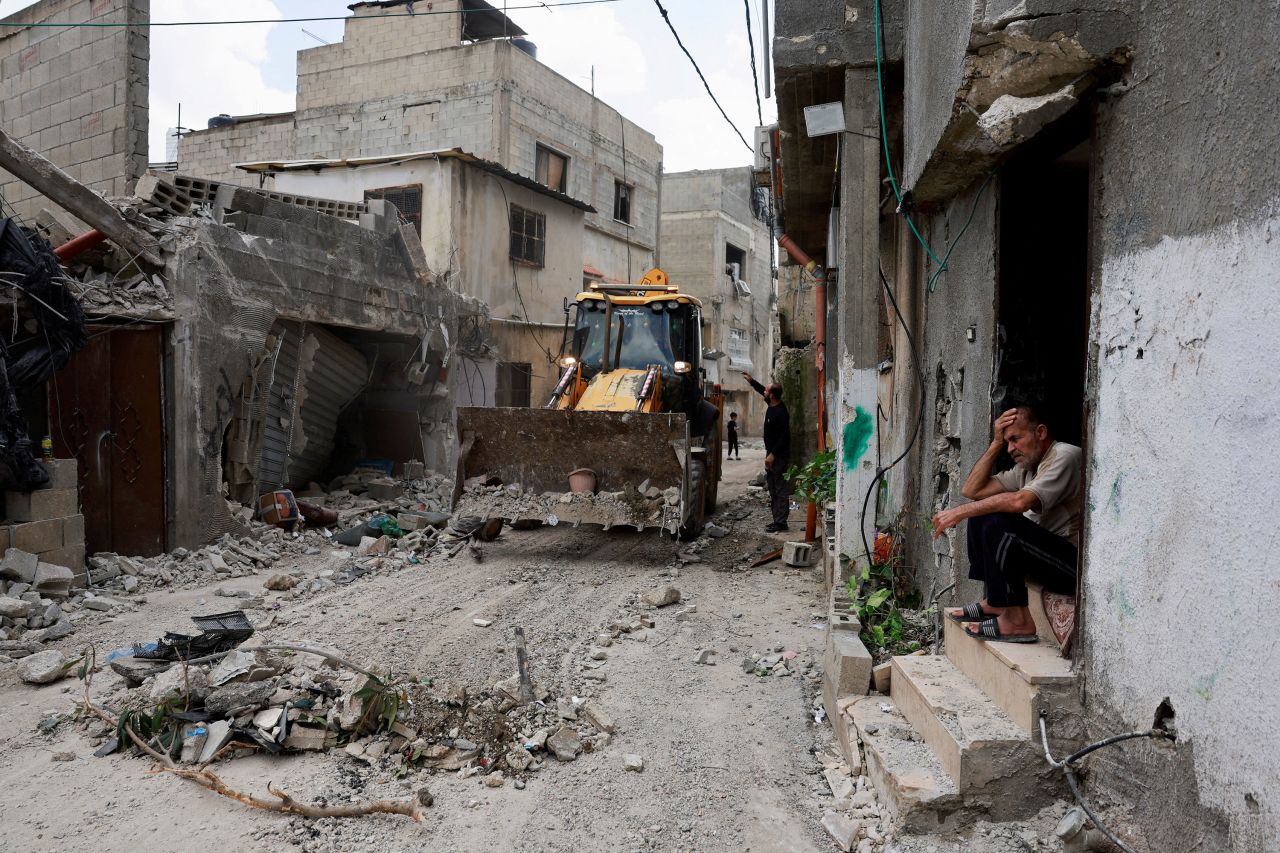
{"points": [[1022, 679], [993, 762], [916, 795]]}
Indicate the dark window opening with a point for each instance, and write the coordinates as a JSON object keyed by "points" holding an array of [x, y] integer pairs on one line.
{"points": [[622, 202], [407, 199], [552, 169], [528, 236], [515, 379]]}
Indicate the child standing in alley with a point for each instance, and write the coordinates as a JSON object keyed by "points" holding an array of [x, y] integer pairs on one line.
{"points": [[734, 452]]}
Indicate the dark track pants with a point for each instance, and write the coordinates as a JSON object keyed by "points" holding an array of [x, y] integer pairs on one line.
{"points": [[1005, 549], [779, 493], [733, 446]]}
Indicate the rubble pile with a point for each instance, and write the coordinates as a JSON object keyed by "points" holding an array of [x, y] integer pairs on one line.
{"points": [[779, 662], [633, 506], [854, 819], [38, 605], [278, 702]]}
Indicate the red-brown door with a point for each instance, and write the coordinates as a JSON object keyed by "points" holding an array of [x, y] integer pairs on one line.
{"points": [[106, 410]]}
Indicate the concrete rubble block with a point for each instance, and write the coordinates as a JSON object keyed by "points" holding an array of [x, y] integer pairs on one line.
{"points": [[598, 718], [52, 580], [218, 736], [71, 556], [846, 669], [63, 474], [632, 763], [194, 736], [102, 603], [385, 489], [15, 608], [306, 739], [174, 683], [662, 596], [565, 744], [843, 831], [881, 676], [840, 783], [41, 505], [280, 583], [236, 697], [37, 537], [19, 565], [43, 667]]}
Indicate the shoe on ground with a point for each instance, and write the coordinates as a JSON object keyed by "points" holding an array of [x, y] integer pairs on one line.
{"points": [[775, 527]]}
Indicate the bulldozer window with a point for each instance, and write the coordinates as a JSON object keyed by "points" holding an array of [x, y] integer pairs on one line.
{"points": [[640, 337]]}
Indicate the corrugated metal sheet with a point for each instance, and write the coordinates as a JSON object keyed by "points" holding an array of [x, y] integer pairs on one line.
{"points": [[279, 409], [332, 373]]}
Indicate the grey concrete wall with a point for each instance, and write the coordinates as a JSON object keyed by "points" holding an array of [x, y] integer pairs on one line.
{"points": [[213, 153], [76, 95], [936, 38], [229, 286], [1180, 586], [703, 210], [817, 34], [400, 85]]}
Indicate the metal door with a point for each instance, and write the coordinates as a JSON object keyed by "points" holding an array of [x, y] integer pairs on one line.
{"points": [[106, 410]]}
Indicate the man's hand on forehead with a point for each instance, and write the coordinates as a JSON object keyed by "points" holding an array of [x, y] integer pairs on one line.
{"points": [[1006, 420]]}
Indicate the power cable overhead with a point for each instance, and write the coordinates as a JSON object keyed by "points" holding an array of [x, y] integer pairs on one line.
{"points": [[755, 80], [416, 14], [705, 84]]}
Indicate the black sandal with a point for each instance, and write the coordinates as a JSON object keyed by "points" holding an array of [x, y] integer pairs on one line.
{"points": [[971, 613], [989, 629]]}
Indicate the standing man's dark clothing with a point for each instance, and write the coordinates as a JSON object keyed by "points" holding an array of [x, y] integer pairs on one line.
{"points": [[733, 440], [777, 443]]}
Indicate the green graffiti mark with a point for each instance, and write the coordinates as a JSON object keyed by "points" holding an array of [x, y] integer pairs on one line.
{"points": [[1114, 501], [857, 436], [1204, 686], [1125, 608]]}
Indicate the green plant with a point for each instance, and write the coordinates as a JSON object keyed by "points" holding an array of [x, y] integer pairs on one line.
{"points": [[815, 480], [878, 590]]}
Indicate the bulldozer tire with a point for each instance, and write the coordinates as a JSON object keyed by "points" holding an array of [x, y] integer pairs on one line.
{"points": [[692, 528], [712, 489]]}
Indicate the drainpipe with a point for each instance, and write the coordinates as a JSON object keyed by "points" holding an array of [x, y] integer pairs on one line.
{"points": [[76, 245], [819, 276]]}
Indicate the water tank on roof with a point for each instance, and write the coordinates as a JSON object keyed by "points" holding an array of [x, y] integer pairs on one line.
{"points": [[221, 120], [527, 46]]}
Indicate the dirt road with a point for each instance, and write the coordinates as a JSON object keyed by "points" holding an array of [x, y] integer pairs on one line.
{"points": [[728, 761]]}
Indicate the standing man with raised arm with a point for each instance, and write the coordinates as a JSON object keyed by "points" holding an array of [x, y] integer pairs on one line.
{"points": [[777, 449]]}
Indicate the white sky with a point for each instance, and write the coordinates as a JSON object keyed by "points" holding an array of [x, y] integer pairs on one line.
{"points": [[639, 69]]}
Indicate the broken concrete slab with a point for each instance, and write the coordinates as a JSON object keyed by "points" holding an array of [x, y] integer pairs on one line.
{"points": [[565, 744], [19, 565], [43, 667], [662, 596], [598, 718], [846, 669], [218, 735], [843, 831], [234, 698], [15, 608], [632, 763]]}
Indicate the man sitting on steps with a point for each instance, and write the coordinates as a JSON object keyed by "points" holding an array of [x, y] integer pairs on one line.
{"points": [[1024, 522]]}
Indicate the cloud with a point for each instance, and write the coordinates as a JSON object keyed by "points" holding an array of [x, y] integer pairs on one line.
{"points": [[209, 70], [574, 41]]}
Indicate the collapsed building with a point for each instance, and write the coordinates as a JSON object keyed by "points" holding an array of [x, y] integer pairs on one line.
{"points": [[1064, 202]]}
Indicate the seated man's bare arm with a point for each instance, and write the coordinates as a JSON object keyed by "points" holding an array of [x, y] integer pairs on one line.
{"points": [[1017, 502]]}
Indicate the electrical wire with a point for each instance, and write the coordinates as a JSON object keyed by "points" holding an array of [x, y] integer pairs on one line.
{"points": [[933, 279], [915, 430], [705, 84], [1068, 768], [527, 323], [103, 24], [746, 4]]}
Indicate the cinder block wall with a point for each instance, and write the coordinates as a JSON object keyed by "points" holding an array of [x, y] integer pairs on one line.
{"points": [[77, 95], [214, 153]]}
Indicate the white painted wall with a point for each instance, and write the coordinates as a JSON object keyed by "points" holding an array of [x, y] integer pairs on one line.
{"points": [[1182, 577]]}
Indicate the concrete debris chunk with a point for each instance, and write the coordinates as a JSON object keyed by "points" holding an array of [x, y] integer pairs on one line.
{"points": [[235, 698], [715, 531], [482, 623], [52, 580], [632, 762], [565, 744], [43, 667], [662, 596], [706, 656], [15, 608], [843, 831], [18, 565], [598, 718], [839, 782], [219, 735]]}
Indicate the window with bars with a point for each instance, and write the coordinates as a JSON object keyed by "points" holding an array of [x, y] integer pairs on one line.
{"points": [[552, 169], [514, 383], [622, 201], [528, 236], [407, 199]]}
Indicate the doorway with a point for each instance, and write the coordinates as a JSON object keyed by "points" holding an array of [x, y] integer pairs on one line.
{"points": [[106, 409], [1042, 302]]}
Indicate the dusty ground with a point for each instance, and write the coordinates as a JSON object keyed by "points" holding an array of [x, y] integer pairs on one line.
{"points": [[728, 756]]}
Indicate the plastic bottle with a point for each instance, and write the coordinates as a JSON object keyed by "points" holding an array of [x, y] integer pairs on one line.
{"points": [[46, 448]]}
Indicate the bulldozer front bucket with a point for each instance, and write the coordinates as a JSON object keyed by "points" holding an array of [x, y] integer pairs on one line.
{"points": [[515, 464]]}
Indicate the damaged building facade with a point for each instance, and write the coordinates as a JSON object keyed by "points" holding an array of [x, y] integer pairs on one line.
{"points": [[716, 246], [1070, 203], [238, 340], [466, 78]]}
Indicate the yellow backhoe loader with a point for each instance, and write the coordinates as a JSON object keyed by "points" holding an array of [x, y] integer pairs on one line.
{"points": [[630, 436]]}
